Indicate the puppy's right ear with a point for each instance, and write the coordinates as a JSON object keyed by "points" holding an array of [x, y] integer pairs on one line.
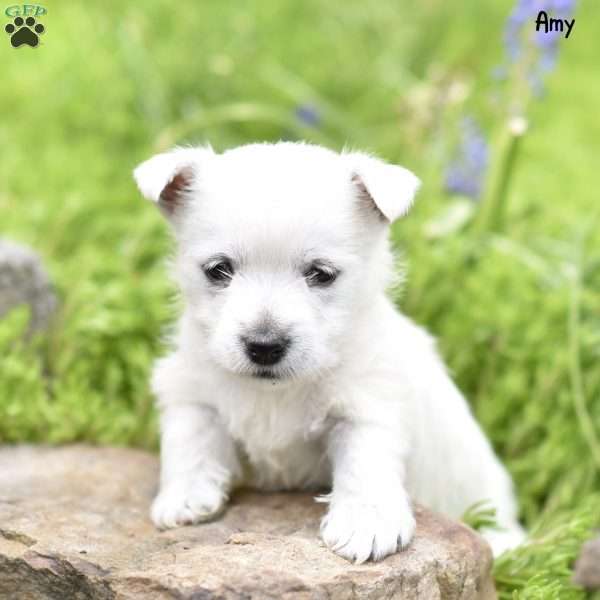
{"points": [[168, 178], [389, 189]]}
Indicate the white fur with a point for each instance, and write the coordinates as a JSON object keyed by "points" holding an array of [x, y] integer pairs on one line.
{"points": [[361, 403]]}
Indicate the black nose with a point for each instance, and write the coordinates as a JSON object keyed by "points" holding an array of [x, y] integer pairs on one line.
{"points": [[266, 353]]}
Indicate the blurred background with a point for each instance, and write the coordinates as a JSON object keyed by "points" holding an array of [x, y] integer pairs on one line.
{"points": [[502, 249]]}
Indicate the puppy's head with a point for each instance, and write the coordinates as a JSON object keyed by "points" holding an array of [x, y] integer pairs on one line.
{"points": [[281, 248]]}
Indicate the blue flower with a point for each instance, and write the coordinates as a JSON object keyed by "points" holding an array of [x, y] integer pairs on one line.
{"points": [[308, 115], [465, 174], [521, 37]]}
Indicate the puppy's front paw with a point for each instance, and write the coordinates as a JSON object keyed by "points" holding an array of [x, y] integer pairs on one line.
{"points": [[359, 530], [187, 503]]}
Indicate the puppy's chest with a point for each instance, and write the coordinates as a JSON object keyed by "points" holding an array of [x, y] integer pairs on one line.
{"points": [[281, 443]]}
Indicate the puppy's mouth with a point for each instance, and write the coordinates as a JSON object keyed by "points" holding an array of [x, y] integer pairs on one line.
{"points": [[266, 374]]}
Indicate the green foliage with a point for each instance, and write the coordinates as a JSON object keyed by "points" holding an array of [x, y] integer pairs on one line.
{"points": [[540, 569], [481, 515], [522, 376], [516, 313]]}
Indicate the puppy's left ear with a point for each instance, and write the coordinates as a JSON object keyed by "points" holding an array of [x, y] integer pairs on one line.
{"points": [[168, 179], [387, 189]]}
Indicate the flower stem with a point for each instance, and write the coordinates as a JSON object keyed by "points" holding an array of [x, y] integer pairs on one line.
{"points": [[493, 209], [577, 389]]}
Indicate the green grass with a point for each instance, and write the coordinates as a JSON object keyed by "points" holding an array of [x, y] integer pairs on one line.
{"points": [[517, 312]]}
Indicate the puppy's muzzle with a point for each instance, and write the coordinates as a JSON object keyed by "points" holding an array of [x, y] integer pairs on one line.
{"points": [[266, 353]]}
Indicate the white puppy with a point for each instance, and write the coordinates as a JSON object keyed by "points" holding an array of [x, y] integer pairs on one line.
{"points": [[291, 369]]}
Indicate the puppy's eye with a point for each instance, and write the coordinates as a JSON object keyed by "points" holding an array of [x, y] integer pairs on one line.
{"points": [[219, 271], [320, 275]]}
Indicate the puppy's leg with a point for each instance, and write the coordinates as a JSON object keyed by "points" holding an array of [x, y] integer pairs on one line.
{"points": [[509, 533], [198, 465], [369, 510], [453, 465], [504, 539]]}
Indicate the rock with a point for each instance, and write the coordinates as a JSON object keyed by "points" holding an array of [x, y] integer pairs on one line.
{"points": [[74, 525], [587, 567], [23, 280]]}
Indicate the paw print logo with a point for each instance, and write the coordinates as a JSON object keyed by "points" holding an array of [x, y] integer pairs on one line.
{"points": [[24, 32]]}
